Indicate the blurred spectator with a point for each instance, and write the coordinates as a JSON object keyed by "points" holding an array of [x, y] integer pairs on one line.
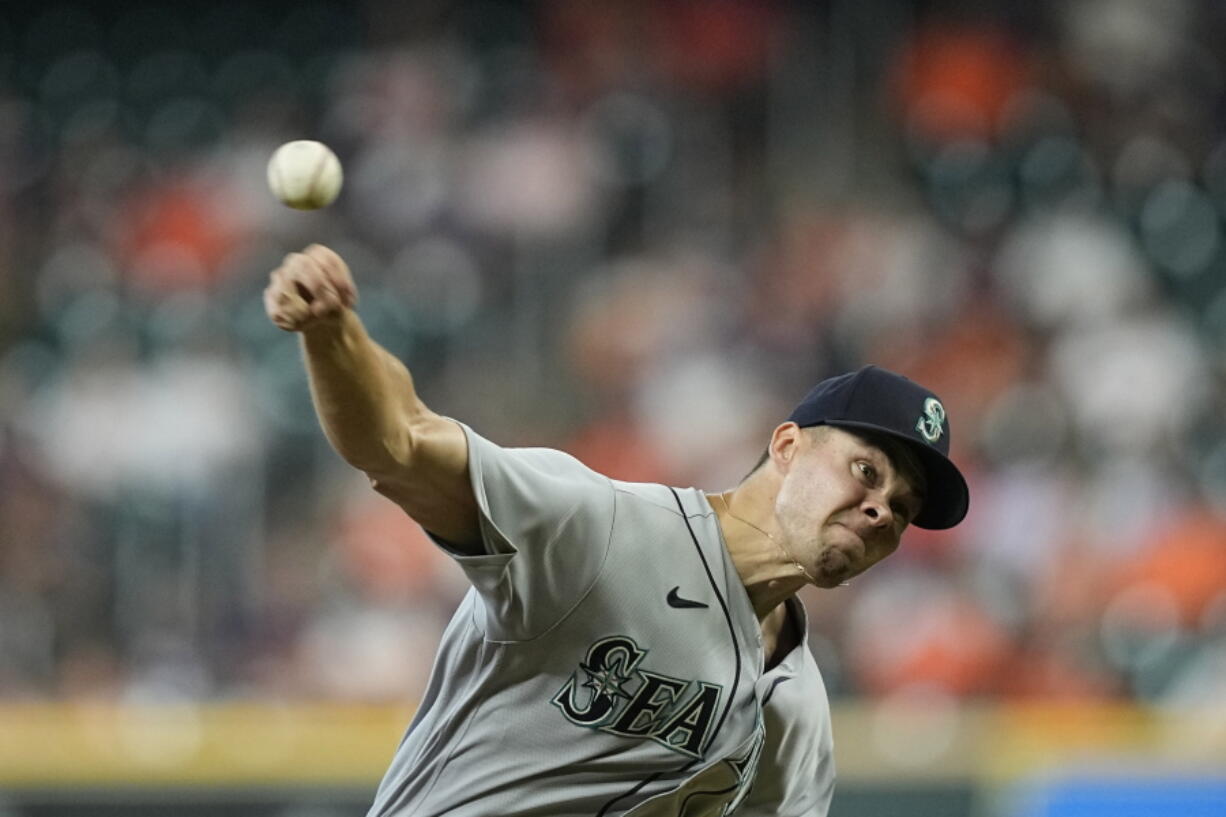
{"points": [[620, 229]]}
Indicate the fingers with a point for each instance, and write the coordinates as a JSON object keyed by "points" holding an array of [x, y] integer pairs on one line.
{"points": [[313, 285], [308, 287], [336, 271], [284, 306]]}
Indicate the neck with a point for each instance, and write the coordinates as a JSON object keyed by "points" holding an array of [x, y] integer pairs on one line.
{"points": [[770, 574]]}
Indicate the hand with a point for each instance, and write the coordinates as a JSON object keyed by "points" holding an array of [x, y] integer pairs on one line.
{"points": [[310, 287]]}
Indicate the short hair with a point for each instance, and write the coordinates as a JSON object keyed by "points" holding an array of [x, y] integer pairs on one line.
{"points": [[899, 453]]}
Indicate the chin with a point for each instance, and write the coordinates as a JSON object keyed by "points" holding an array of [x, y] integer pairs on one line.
{"points": [[834, 567]]}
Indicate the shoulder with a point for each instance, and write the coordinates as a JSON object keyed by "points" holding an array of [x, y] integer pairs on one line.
{"points": [[548, 463], [683, 503]]}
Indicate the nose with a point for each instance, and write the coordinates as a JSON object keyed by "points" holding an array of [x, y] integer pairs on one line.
{"points": [[878, 512]]}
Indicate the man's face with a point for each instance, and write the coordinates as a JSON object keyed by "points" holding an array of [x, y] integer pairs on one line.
{"points": [[842, 506]]}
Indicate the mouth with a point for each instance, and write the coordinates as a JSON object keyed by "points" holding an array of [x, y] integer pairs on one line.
{"points": [[853, 550]]}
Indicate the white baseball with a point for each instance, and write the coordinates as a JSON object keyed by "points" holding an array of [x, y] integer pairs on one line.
{"points": [[305, 175]]}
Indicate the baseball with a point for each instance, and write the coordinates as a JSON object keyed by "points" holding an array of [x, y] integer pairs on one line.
{"points": [[305, 175]]}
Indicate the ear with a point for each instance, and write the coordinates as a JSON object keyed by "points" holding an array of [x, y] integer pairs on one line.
{"points": [[785, 445]]}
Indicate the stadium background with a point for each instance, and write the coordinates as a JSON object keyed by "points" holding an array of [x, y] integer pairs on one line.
{"points": [[637, 231]]}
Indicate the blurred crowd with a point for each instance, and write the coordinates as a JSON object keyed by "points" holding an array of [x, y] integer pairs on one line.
{"points": [[639, 232]]}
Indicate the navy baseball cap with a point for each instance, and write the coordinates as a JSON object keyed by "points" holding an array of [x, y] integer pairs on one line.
{"points": [[879, 400]]}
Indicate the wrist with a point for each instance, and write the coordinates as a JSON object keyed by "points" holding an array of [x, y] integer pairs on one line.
{"points": [[332, 332]]}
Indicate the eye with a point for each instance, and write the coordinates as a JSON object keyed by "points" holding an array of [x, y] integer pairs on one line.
{"points": [[867, 471]]}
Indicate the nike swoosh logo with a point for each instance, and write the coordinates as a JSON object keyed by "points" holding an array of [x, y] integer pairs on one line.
{"points": [[676, 601]]}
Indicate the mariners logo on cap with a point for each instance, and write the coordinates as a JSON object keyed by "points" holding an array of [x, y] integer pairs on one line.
{"points": [[930, 426]]}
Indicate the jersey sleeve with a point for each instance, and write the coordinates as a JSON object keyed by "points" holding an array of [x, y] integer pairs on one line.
{"points": [[546, 523]]}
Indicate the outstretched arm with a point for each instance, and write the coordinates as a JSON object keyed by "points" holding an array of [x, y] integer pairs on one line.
{"points": [[366, 401]]}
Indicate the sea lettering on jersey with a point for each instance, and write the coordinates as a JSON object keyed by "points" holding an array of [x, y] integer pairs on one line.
{"points": [[617, 697]]}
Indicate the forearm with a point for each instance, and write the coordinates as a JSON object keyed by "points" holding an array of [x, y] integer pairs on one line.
{"points": [[364, 396], [366, 402]]}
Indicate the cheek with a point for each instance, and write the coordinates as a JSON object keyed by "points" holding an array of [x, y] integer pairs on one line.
{"points": [[797, 491], [821, 487], [789, 502], [805, 497]]}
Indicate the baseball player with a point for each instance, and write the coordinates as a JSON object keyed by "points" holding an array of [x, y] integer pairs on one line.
{"points": [[625, 649]]}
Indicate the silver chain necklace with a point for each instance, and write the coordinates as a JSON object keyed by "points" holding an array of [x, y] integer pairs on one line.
{"points": [[779, 545]]}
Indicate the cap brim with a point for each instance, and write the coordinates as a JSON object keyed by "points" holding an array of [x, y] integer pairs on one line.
{"points": [[947, 498]]}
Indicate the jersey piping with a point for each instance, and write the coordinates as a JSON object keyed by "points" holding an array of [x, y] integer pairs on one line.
{"points": [[736, 651]]}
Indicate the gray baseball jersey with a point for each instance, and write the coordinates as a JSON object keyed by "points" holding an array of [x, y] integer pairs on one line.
{"points": [[606, 661]]}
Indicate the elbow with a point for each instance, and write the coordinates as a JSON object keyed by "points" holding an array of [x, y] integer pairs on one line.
{"points": [[398, 445], [413, 445], [381, 454]]}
